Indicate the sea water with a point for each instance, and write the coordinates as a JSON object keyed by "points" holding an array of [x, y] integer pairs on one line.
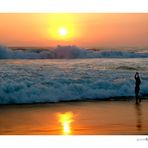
{"points": [[55, 80]]}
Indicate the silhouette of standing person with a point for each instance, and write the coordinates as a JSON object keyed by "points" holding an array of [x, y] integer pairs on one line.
{"points": [[137, 87]]}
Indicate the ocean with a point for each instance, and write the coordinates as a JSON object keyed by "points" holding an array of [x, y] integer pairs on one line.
{"points": [[56, 80], [58, 91]]}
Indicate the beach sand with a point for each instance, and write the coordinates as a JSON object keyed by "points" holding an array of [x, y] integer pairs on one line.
{"points": [[75, 118]]}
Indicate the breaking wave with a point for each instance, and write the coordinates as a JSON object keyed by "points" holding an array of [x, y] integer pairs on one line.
{"points": [[38, 81], [67, 52]]}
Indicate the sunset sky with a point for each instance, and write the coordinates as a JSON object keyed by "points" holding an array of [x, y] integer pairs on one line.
{"points": [[85, 30]]}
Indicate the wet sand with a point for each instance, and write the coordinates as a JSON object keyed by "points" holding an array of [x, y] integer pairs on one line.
{"points": [[87, 118]]}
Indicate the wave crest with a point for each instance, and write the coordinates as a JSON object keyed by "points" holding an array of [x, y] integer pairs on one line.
{"points": [[66, 52]]}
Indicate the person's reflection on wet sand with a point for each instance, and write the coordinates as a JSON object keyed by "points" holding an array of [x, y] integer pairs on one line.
{"points": [[139, 116]]}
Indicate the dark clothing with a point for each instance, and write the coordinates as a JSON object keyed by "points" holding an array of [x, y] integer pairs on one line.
{"points": [[138, 81], [137, 85], [137, 88]]}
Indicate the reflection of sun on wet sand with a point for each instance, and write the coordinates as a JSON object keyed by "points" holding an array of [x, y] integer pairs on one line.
{"points": [[66, 119], [75, 118]]}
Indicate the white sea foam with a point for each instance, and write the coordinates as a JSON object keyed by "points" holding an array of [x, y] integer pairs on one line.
{"points": [[36, 81], [68, 52]]}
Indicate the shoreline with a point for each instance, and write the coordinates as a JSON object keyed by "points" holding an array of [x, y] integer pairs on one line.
{"points": [[87, 118], [114, 99]]}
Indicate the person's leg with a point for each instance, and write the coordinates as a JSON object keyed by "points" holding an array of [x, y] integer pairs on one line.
{"points": [[136, 95], [139, 97], [137, 91], [137, 101]]}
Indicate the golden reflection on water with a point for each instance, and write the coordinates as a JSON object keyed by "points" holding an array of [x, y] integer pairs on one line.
{"points": [[66, 119]]}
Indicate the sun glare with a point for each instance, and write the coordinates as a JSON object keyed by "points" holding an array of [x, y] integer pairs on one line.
{"points": [[61, 28], [63, 31], [66, 119]]}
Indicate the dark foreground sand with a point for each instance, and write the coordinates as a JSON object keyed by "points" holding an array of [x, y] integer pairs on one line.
{"points": [[86, 118]]}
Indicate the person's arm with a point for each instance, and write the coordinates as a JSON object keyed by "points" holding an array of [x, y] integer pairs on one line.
{"points": [[135, 77]]}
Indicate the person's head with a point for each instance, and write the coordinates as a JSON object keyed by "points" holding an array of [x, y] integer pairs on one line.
{"points": [[137, 74]]}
